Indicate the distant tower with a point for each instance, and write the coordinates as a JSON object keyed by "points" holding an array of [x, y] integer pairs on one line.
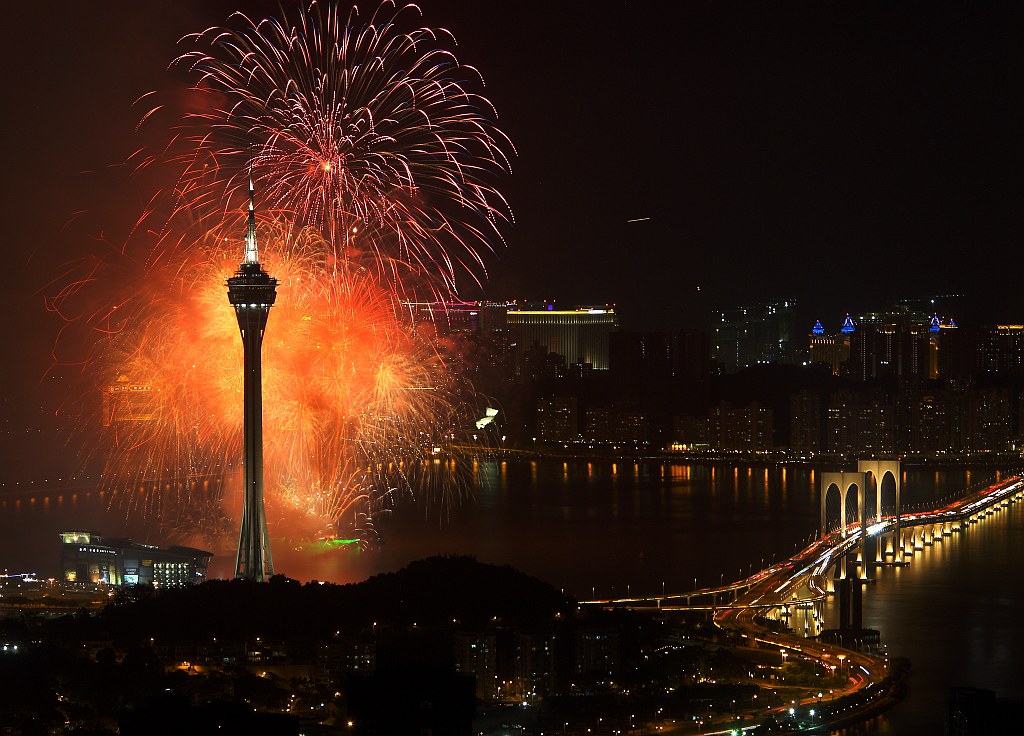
{"points": [[252, 291]]}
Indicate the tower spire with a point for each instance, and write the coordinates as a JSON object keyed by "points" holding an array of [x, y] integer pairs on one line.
{"points": [[252, 254], [252, 292]]}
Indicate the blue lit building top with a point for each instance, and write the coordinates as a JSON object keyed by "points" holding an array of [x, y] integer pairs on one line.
{"points": [[935, 325], [848, 325], [818, 329]]}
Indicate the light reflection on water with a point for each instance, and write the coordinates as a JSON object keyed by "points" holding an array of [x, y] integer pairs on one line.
{"points": [[956, 613], [598, 526]]}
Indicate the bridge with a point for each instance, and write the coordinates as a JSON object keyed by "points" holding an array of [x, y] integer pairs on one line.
{"points": [[805, 579]]}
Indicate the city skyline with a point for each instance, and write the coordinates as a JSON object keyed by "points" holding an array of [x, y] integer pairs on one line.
{"points": [[771, 150], [776, 211], [734, 147]]}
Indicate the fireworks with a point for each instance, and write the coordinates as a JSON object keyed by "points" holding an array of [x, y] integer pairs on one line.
{"points": [[376, 163], [354, 401], [366, 130]]}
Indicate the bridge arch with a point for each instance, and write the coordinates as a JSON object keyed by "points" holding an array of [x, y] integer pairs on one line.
{"points": [[845, 482], [881, 472], [837, 506]]}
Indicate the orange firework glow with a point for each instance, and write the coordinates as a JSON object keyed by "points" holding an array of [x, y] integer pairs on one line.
{"points": [[367, 141], [355, 400]]}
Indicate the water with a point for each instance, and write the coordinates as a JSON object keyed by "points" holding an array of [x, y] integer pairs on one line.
{"points": [[956, 613], [606, 528]]}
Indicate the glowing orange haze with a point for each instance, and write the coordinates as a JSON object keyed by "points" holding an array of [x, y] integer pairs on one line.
{"points": [[354, 399]]}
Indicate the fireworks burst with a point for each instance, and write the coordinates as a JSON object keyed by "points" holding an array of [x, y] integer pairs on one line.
{"points": [[354, 400], [369, 131], [377, 162]]}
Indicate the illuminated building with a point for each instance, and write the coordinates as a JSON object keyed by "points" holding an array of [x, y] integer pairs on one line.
{"points": [[749, 429], [1001, 349], [615, 424], [830, 350], [449, 317], [535, 658], [931, 424], [748, 336], [87, 557], [127, 401], [251, 291], [987, 420], [597, 653], [805, 422], [476, 654], [345, 653], [891, 350], [902, 341], [854, 427], [689, 432], [558, 419], [580, 334]]}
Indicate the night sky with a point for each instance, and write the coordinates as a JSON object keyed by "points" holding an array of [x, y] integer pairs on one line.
{"points": [[842, 154]]}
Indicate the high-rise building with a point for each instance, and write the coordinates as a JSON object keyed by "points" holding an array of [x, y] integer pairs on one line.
{"points": [[748, 336], [476, 654], [889, 350], [597, 652], [987, 421], [931, 425], [580, 334], [558, 419], [855, 427], [251, 291], [830, 350], [610, 423], [749, 429], [1001, 349], [805, 422], [535, 660]]}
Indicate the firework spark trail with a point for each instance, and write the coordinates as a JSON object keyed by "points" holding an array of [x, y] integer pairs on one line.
{"points": [[358, 128], [355, 399], [376, 165]]}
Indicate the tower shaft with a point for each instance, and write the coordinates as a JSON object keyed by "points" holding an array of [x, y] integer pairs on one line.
{"points": [[252, 292], [254, 560]]}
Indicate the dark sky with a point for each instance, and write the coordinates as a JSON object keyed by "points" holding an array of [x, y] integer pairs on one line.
{"points": [[843, 154]]}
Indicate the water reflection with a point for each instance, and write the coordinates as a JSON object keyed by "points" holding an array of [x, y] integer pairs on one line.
{"points": [[955, 612], [596, 527]]}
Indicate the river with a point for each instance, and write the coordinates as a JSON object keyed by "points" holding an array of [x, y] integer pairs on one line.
{"points": [[612, 528]]}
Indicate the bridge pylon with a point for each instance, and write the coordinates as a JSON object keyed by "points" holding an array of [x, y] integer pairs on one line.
{"points": [[878, 469]]}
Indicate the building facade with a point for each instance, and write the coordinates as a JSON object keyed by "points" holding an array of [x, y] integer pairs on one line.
{"points": [[580, 334], [748, 336], [89, 558]]}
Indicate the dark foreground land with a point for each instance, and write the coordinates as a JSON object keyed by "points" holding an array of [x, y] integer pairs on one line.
{"points": [[447, 644]]}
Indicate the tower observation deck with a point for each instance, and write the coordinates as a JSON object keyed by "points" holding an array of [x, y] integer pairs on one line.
{"points": [[252, 291]]}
